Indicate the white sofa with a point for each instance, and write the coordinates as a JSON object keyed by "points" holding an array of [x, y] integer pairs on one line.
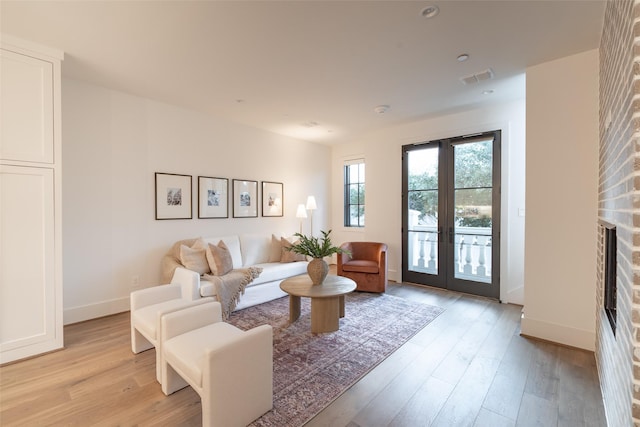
{"points": [[247, 250]]}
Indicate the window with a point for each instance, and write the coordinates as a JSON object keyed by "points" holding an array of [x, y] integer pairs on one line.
{"points": [[354, 193]]}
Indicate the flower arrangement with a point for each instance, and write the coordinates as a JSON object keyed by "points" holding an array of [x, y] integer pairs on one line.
{"points": [[315, 247]]}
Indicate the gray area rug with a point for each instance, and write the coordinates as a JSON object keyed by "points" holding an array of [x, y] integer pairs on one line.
{"points": [[312, 370]]}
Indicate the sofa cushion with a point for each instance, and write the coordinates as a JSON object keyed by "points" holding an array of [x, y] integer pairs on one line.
{"points": [[219, 259], [361, 266], [207, 289], [233, 244], [146, 318], [287, 255], [278, 271], [194, 258], [256, 248], [187, 352]]}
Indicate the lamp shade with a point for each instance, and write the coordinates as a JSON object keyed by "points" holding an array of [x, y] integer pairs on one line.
{"points": [[301, 212], [311, 203]]}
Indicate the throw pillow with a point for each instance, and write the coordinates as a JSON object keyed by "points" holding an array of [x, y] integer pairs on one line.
{"points": [[287, 255], [276, 249], [221, 259], [194, 259]]}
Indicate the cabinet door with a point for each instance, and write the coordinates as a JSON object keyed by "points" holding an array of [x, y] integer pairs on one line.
{"points": [[26, 109], [30, 295]]}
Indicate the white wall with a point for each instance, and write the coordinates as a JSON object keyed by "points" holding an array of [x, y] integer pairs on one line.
{"points": [[113, 143], [383, 157], [562, 183]]}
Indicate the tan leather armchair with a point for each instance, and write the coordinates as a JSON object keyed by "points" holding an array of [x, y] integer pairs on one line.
{"points": [[367, 265]]}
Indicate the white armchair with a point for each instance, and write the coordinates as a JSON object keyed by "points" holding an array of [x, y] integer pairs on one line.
{"points": [[189, 281], [147, 308], [231, 369]]}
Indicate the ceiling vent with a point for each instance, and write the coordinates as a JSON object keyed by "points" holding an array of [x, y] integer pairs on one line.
{"points": [[477, 77]]}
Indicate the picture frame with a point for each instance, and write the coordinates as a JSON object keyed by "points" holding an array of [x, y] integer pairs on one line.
{"points": [[272, 198], [213, 197], [245, 198], [173, 196]]}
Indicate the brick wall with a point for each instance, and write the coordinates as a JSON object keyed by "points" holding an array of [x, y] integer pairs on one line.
{"points": [[618, 356]]}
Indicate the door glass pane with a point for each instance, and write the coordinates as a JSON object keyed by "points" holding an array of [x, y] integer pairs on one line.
{"points": [[473, 192], [423, 210], [473, 164]]}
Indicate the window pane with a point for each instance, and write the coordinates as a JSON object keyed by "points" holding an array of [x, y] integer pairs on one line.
{"points": [[423, 169], [353, 173], [355, 215], [423, 207], [361, 194], [473, 207], [473, 164], [353, 194]]}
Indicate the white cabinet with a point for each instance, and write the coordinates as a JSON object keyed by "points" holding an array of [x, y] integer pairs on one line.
{"points": [[27, 132], [31, 317]]}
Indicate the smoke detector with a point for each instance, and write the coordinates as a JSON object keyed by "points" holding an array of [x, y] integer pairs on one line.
{"points": [[430, 11], [381, 109]]}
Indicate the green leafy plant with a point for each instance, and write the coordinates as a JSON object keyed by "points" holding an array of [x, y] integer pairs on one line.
{"points": [[314, 246]]}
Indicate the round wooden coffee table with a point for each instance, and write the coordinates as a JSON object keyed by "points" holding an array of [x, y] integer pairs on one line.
{"points": [[327, 300]]}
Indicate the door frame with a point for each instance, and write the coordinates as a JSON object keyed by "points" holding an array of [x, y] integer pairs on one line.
{"points": [[445, 278]]}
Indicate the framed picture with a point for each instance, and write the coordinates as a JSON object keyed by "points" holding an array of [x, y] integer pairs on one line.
{"points": [[272, 198], [213, 197], [173, 196], [245, 198]]}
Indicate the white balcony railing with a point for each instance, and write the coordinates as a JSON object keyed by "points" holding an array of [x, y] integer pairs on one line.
{"points": [[472, 254]]}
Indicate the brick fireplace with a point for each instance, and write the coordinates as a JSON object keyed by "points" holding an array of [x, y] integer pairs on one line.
{"points": [[618, 347]]}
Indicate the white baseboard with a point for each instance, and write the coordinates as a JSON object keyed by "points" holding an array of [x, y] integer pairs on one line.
{"points": [[560, 334], [515, 296], [92, 311], [394, 276]]}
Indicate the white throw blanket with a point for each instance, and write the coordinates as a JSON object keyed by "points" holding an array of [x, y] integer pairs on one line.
{"points": [[231, 286]]}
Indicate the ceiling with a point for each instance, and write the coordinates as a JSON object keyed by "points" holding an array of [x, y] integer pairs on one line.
{"points": [[311, 70]]}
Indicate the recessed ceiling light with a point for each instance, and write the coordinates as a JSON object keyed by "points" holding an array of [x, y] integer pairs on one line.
{"points": [[381, 109], [487, 92], [430, 11], [463, 57]]}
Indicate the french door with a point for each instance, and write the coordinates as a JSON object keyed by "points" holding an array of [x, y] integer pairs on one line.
{"points": [[451, 214]]}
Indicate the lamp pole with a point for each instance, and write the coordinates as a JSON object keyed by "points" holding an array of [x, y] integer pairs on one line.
{"points": [[311, 206], [301, 213]]}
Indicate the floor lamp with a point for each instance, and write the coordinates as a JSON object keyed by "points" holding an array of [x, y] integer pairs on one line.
{"points": [[302, 214], [311, 206]]}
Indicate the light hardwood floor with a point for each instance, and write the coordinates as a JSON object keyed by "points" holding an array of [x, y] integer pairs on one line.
{"points": [[469, 367]]}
